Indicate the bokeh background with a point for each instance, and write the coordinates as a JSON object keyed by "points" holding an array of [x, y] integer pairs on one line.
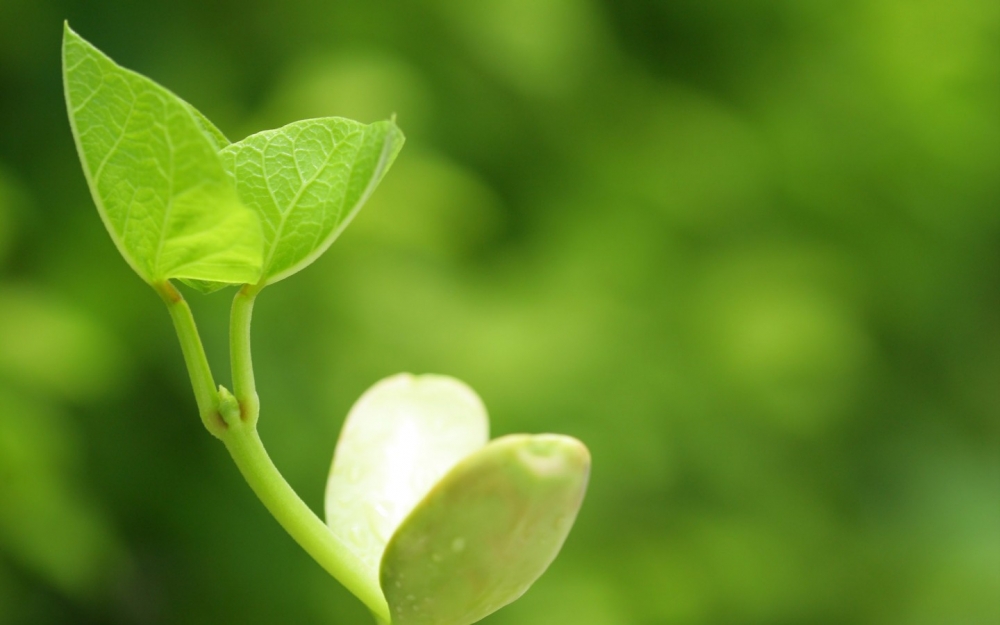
{"points": [[748, 250]]}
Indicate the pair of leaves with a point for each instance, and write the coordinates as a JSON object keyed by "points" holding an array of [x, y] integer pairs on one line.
{"points": [[448, 526], [181, 202]]}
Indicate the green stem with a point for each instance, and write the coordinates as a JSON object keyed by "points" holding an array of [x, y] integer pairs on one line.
{"points": [[244, 386], [202, 382], [233, 419], [297, 518], [258, 470]]}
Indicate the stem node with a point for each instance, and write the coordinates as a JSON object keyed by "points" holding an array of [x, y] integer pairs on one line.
{"points": [[232, 418]]}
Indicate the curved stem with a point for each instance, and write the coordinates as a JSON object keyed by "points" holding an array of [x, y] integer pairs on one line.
{"points": [[258, 470], [202, 382], [297, 518], [233, 419]]}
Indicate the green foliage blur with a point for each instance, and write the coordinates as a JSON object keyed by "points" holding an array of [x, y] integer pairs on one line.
{"points": [[747, 250]]}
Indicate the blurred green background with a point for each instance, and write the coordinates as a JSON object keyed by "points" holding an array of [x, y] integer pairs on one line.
{"points": [[747, 250]]}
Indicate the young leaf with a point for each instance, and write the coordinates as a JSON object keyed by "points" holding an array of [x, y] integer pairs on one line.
{"points": [[215, 136], [486, 531], [205, 286], [307, 180], [400, 438], [152, 165]]}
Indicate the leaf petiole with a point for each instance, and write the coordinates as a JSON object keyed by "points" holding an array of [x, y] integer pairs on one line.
{"points": [[244, 386], [202, 382], [239, 434]]}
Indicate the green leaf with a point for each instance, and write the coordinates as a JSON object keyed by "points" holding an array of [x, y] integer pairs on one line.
{"points": [[486, 532], [205, 286], [306, 181], [152, 164], [399, 439], [215, 136]]}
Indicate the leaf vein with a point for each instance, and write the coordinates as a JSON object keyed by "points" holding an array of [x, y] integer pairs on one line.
{"points": [[298, 195], [114, 147]]}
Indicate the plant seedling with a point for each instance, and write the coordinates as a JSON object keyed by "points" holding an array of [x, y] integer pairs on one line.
{"points": [[427, 522]]}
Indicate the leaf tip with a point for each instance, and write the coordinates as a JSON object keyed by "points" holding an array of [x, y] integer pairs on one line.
{"points": [[550, 455], [68, 33]]}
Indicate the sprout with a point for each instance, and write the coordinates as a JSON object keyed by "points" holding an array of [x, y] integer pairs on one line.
{"points": [[427, 522]]}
